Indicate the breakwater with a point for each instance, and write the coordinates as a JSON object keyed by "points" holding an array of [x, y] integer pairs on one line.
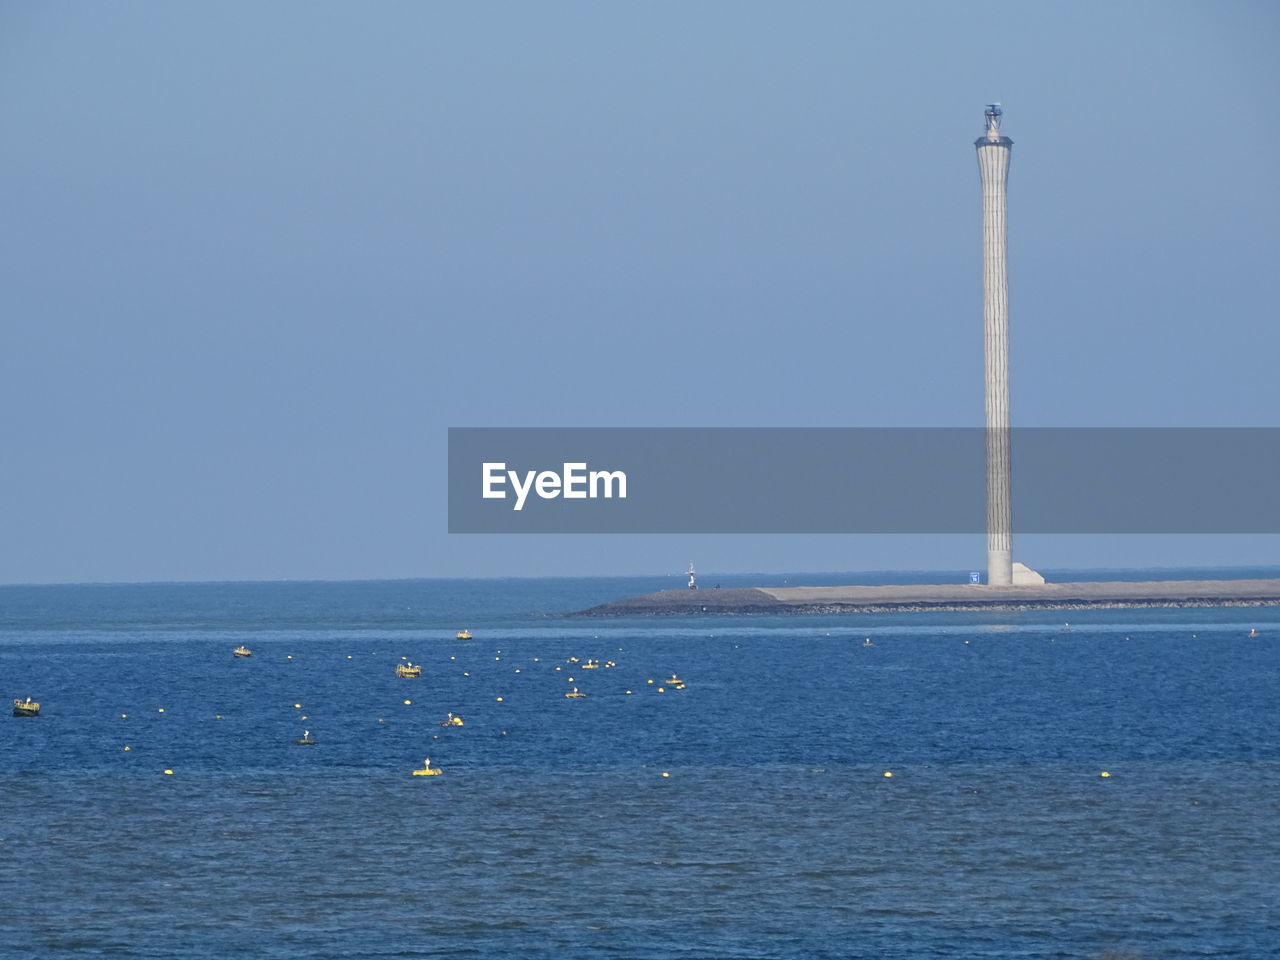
{"points": [[1114, 594]]}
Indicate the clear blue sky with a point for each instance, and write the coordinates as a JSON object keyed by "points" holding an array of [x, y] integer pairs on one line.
{"points": [[258, 257]]}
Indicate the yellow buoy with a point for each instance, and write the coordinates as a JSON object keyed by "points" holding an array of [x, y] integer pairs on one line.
{"points": [[159, 709], [298, 706], [128, 748], [168, 773], [628, 691], [123, 715], [407, 702], [1104, 773], [665, 774], [888, 773], [499, 699]]}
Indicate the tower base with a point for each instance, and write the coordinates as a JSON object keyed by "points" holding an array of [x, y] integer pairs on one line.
{"points": [[1000, 568]]}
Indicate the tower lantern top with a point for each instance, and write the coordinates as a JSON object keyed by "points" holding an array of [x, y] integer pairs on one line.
{"points": [[993, 114]]}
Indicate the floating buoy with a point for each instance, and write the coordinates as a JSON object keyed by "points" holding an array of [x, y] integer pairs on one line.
{"points": [[168, 773], [159, 709], [297, 706], [128, 748], [408, 702], [665, 774], [1104, 773], [427, 770], [888, 773], [628, 691], [123, 715], [499, 699]]}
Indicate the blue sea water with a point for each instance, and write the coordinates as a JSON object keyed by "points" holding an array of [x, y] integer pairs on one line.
{"points": [[748, 815]]}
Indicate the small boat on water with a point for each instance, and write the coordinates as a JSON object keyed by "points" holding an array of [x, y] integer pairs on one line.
{"points": [[1254, 632], [575, 694], [427, 770], [305, 740], [591, 665], [451, 721], [408, 670], [463, 634], [25, 708], [242, 651]]}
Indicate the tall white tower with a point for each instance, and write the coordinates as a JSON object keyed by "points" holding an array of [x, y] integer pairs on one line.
{"points": [[994, 150]]}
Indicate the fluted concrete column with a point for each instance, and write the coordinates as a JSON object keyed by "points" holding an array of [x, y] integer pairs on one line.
{"points": [[994, 150]]}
